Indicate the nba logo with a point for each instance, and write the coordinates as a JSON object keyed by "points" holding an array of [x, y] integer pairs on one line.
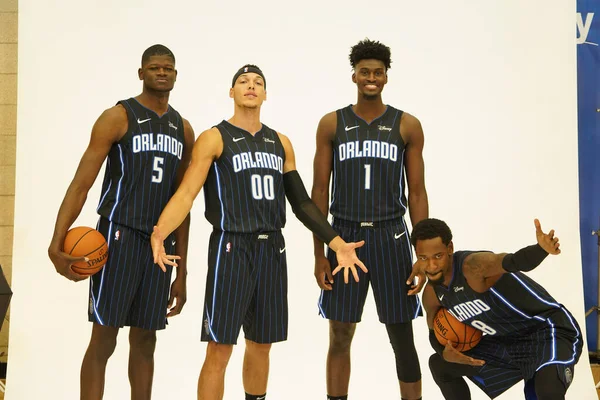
{"points": [[246, 69], [117, 235], [228, 247]]}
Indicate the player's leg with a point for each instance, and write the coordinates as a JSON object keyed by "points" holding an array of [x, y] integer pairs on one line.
{"points": [[229, 286], [338, 358], [211, 383], [109, 301], [449, 377], [101, 347], [408, 368], [147, 313], [255, 372], [343, 306], [142, 343], [551, 382], [390, 260], [266, 321]]}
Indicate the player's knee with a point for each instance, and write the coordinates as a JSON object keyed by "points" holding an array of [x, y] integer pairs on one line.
{"points": [[548, 385], [258, 349], [218, 354], [142, 341], [436, 366], [103, 341], [340, 335]]}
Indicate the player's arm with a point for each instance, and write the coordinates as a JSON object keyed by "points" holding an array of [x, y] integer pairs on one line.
{"points": [[108, 129], [485, 265], [208, 147], [310, 215], [178, 293], [412, 134], [322, 166]]}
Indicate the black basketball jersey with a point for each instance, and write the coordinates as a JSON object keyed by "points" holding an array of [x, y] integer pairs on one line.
{"points": [[244, 188], [515, 306], [141, 168], [368, 167]]}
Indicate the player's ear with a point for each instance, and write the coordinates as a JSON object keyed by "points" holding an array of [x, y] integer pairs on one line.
{"points": [[141, 74], [354, 77], [231, 93], [450, 248]]}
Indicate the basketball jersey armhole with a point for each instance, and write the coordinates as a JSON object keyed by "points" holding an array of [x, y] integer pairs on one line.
{"points": [[131, 122]]}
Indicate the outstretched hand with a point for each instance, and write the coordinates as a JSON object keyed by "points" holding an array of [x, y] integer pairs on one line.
{"points": [[158, 251], [347, 260], [547, 241]]}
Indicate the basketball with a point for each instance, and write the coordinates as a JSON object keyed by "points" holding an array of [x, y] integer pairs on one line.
{"points": [[447, 328], [83, 241]]}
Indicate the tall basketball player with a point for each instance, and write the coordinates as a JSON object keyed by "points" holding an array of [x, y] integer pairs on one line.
{"points": [[247, 170], [527, 334], [373, 150], [148, 146]]}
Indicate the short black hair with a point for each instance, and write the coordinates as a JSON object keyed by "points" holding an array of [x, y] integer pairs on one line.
{"points": [[157, 50], [369, 49], [431, 228]]}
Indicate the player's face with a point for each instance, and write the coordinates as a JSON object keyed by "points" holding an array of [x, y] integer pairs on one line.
{"points": [[435, 259], [158, 73], [248, 91], [370, 77]]}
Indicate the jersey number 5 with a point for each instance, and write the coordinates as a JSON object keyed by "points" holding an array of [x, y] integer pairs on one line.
{"points": [[157, 171]]}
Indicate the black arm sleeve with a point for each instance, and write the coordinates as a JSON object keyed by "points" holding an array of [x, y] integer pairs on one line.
{"points": [[525, 259], [437, 346], [305, 209]]}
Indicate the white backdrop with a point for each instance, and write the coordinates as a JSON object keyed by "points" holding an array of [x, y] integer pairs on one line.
{"points": [[493, 84]]}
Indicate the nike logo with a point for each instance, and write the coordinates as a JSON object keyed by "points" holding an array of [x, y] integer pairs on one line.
{"points": [[238, 139], [261, 398], [399, 236], [352, 127], [141, 121], [281, 250], [441, 297], [173, 243]]}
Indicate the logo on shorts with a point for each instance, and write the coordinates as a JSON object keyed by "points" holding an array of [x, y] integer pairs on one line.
{"points": [[568, 375], [117, 235], [91, 310], [458, 288], [263, 237], [228, 247], [206, 326], [366, 224]]}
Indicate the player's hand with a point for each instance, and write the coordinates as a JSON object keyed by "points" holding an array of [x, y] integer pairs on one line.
{"points": [[421, 279], [323, 273], [452, 355], [158, 251], [63, 262], [347, 258], [547, 241], [178, 296]]}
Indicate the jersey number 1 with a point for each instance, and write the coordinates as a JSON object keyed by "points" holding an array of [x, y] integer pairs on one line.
{"points": [[367, 176]]}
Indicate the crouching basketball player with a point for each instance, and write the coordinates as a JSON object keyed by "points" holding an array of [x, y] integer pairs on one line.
{"points": [[527, 334]]}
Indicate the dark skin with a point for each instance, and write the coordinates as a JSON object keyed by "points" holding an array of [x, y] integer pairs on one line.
{"points": [[481, 271], [158, 75], [370, 78]]}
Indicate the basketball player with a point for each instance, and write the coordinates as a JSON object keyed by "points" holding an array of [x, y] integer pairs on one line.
{"points": [[369, 147], [148, 146], [247, 170], [527, 334]]}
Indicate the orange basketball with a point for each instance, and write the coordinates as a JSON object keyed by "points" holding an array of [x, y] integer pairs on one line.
{"points": [[83, 241], [447, 328]]}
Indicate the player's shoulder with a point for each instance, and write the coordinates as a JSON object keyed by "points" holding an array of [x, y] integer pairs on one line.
{"points": [[409, 121], [115, 117]]}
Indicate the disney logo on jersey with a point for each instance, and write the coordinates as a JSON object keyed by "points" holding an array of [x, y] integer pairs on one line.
{"points": [[157, 142], [468, 309], [384, 128], [257, 159], [368, 148]]}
